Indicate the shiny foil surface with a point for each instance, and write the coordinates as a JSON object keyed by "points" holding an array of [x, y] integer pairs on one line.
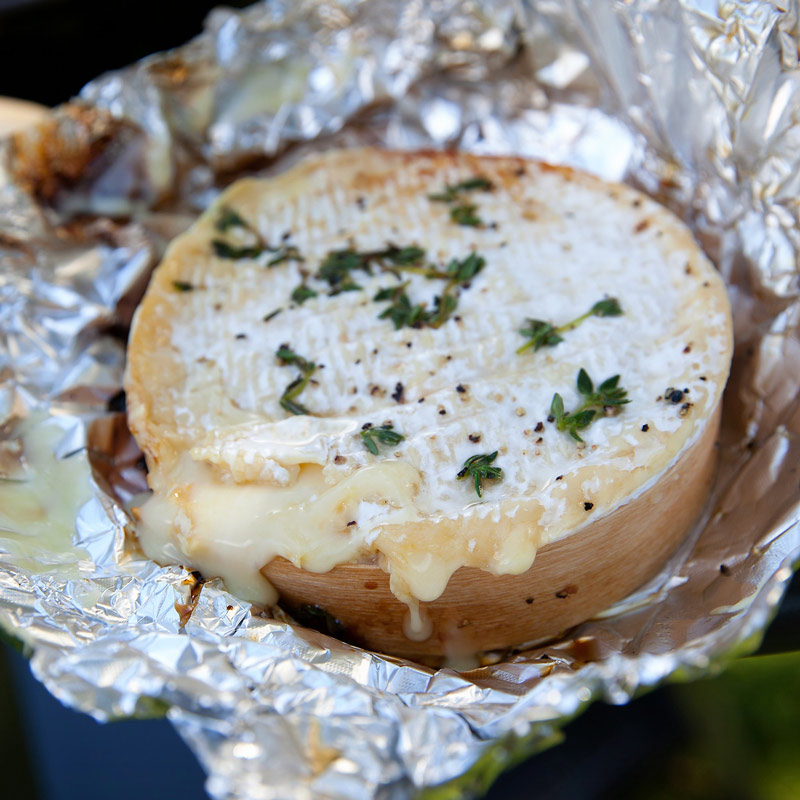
{"points": [[694, 102]]}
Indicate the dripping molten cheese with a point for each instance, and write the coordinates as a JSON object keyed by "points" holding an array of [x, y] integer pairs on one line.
{"points": [[238, 481]]}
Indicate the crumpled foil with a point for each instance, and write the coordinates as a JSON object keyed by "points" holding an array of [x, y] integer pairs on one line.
{"points": [[694, 102]]}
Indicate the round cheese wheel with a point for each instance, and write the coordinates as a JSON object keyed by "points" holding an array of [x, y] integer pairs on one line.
{"points": [[455, 403]]}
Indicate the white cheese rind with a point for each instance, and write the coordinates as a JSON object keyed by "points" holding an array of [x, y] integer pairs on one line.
{"points": [[240, 482]]}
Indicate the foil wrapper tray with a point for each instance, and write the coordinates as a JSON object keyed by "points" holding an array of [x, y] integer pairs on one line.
{"points": [[694, 103]]}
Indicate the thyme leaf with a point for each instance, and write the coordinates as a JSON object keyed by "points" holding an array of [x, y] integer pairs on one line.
{"points": [[479, 469], [182, 286], [382, 435], [288, 401], [302, 293], [466, 214], [544, 334], [451, 191], [607, 399]]}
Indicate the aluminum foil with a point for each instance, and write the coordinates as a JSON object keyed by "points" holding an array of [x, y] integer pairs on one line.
{"points": [[693, 101]]}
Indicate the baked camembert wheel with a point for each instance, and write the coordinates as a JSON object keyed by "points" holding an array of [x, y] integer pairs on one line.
{"points": [[457, 402]]}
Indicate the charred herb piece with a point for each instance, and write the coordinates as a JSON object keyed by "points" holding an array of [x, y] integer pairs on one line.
{"points": [[608, 399], [228, 219], [545, 334], [383, 435], [479, 468], [288, 401]]}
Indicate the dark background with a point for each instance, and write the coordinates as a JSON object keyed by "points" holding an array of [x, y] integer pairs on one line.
{"points": [[735, 737]]}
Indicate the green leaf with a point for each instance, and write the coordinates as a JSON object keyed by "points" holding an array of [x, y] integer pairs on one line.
{"points": [[609, 307], [302, 293], [182, 286], [479, 468], [228, 218], [466, 214], [384, 435], [225, 250], [584, 382], [557, 406]]}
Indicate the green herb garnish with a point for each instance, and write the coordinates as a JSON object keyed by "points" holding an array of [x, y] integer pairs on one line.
{"points": [[338, 265], [608, 399], [384, 435], [401, 311], [404, 313], [479, 469], [463, 213], [303, 293], [466, 214], [286, 355], [451, 191], [545, 334], [227, 219], [182, 286]]}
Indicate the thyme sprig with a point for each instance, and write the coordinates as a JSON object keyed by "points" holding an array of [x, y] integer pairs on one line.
{"points": [[338, 266], [461, 211], [229, 218], [608, 399], [479, 468], [404, 313], [288, 402], [545, 334], [382, 435]]}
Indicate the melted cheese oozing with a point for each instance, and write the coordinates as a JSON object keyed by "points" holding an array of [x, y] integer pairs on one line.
{"points": [[238, 482]]}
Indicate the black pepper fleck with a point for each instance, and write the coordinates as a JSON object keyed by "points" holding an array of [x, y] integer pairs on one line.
{"points": [[540, 440], [351, 523], [442, 412], [366, 426], [461, 389], [724, 569], [474, 437], [703, 378], [645, 428], [588, 506], [539, 427], [528, 600], [397, 394], [339, 459], [241, 335], [551, 418], [559, 477], [421, 400], [116, 402]]}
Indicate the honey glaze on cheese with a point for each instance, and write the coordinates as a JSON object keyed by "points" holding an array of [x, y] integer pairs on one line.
{"points": [[238, 482]]}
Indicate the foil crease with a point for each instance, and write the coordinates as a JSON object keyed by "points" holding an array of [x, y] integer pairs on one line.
{"points": [[694, 102]]}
